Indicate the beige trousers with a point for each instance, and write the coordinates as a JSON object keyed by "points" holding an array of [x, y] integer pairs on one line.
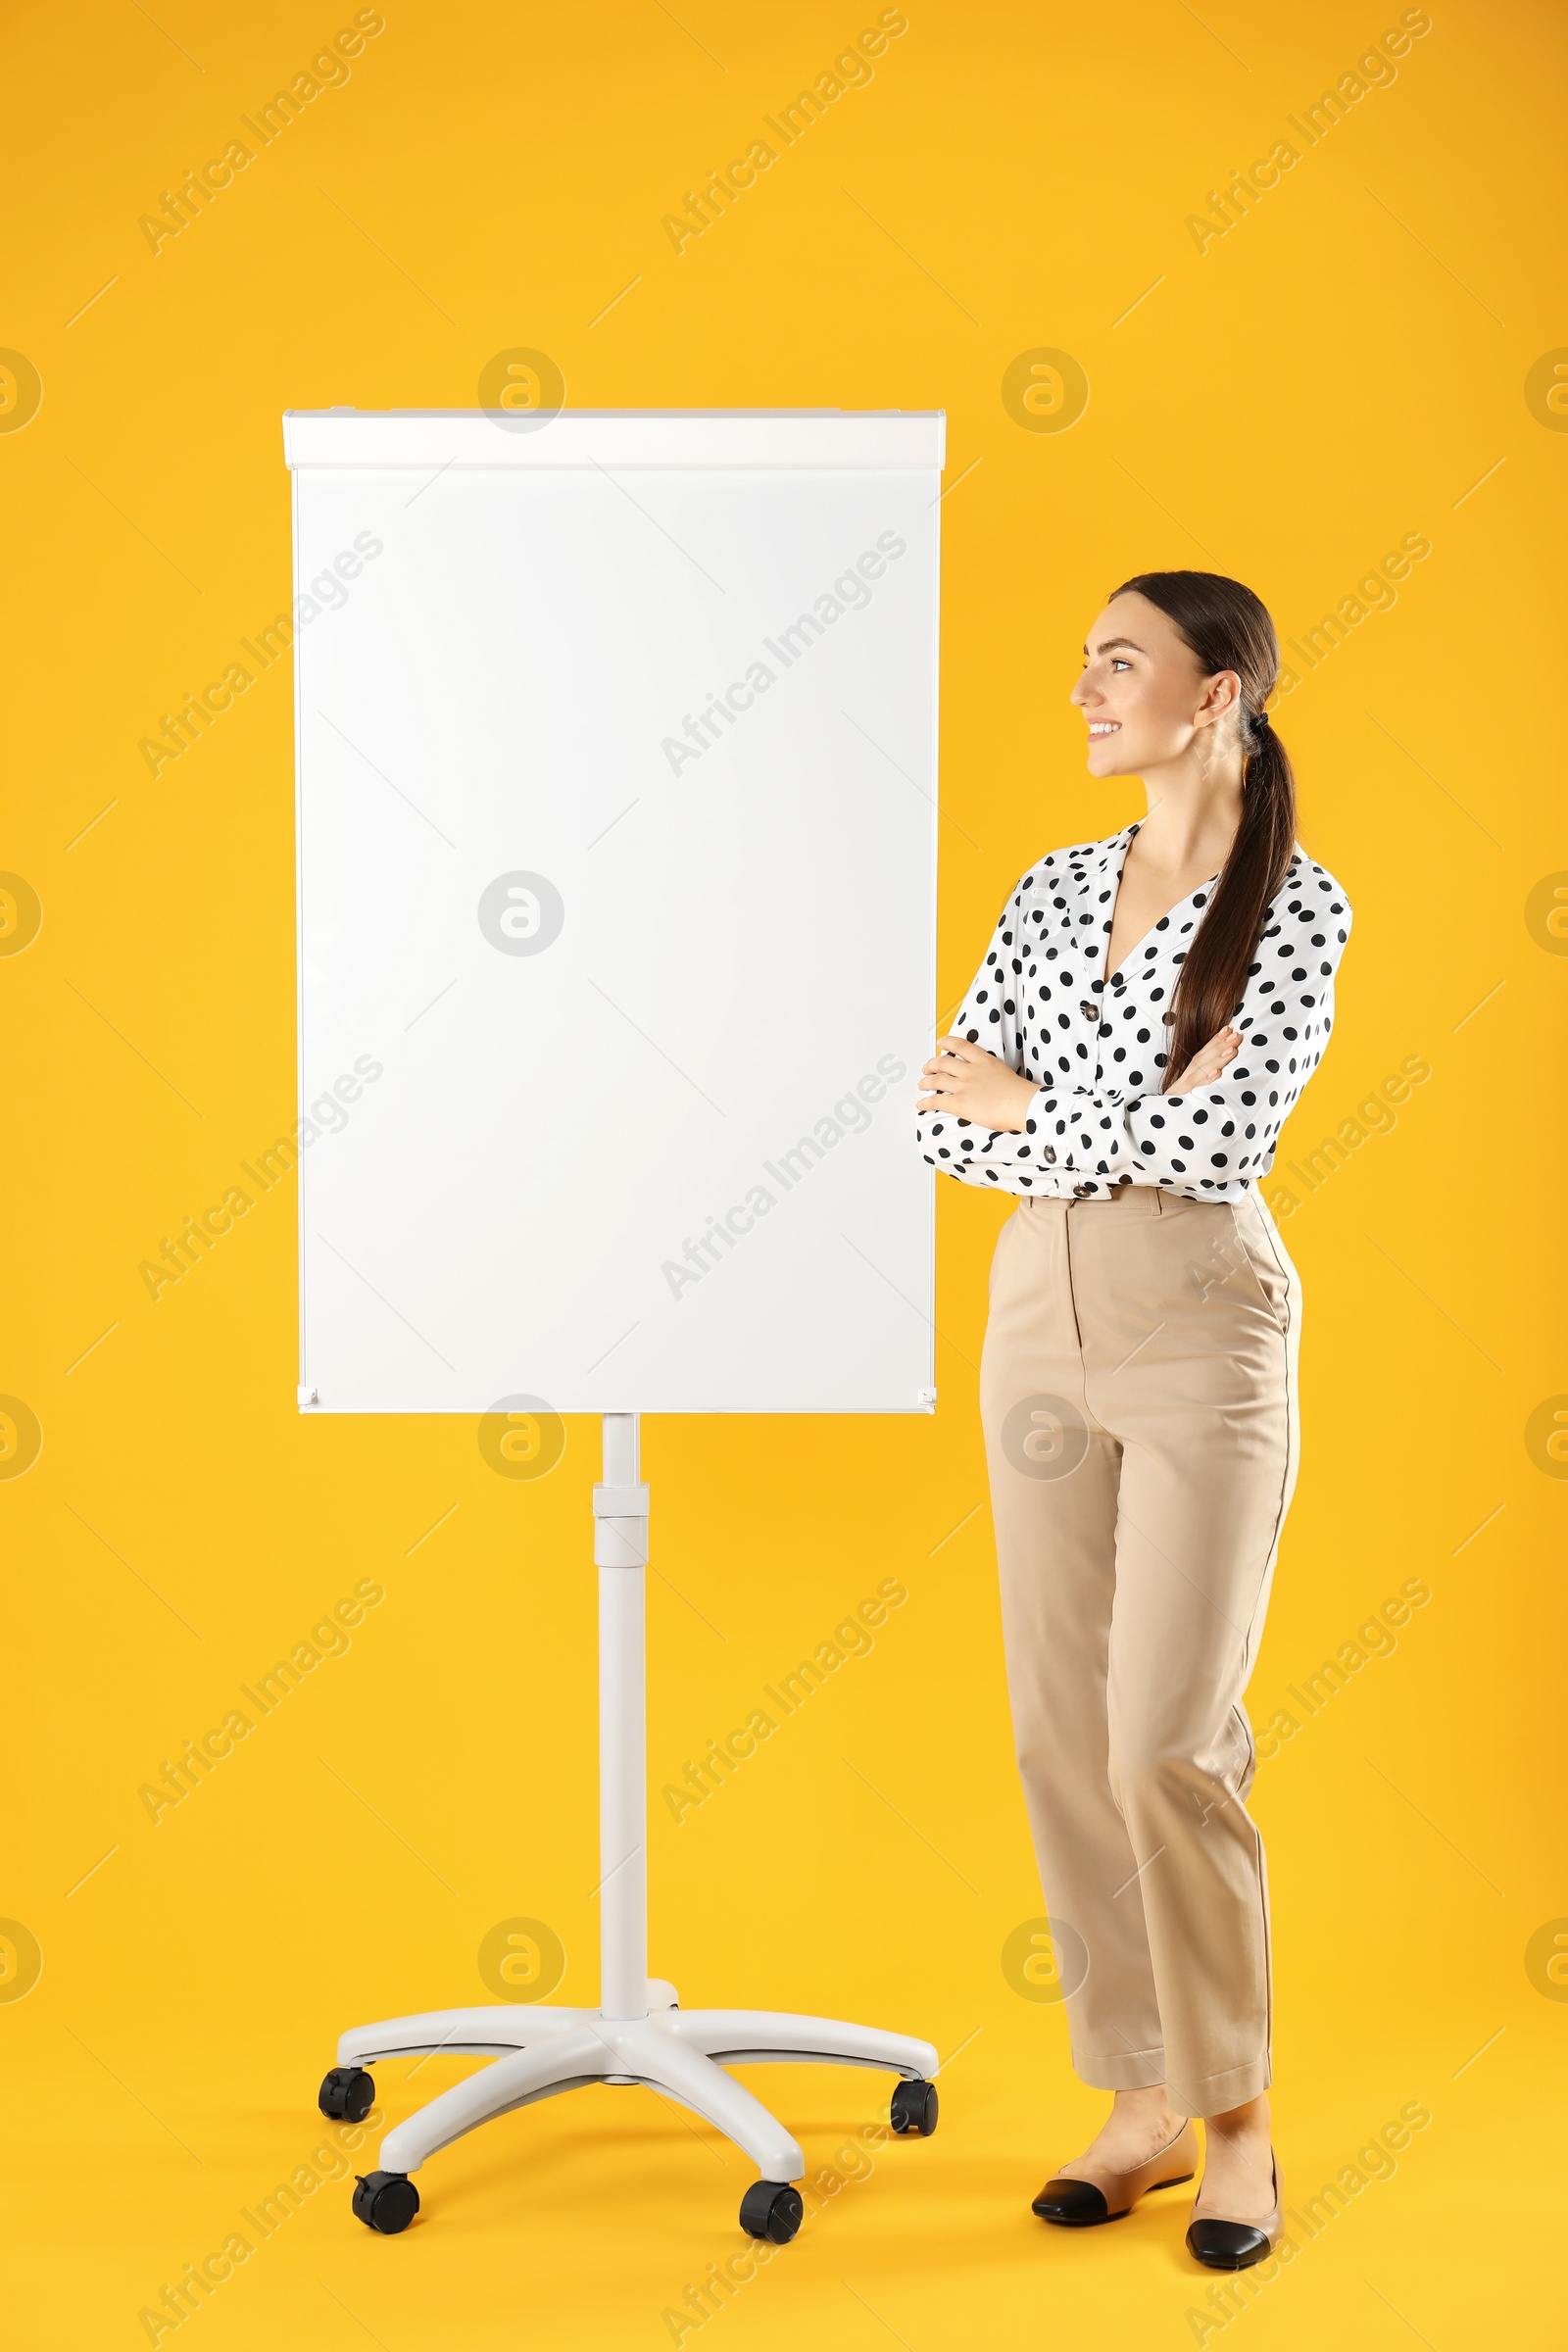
{"points": [[1138, 1394]]}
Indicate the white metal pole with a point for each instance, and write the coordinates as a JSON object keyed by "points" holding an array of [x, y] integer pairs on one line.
{"points": [[621, 1548]]}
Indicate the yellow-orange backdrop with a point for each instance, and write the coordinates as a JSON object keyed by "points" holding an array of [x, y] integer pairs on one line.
{"points": [[1288, 376]]}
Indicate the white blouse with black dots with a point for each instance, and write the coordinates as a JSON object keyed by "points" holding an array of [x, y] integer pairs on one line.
{"points": [[1095, 1047]]}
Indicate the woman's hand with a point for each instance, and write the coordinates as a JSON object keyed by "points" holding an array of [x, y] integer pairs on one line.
{"points": [[1208, 1062], [972, 1084]]}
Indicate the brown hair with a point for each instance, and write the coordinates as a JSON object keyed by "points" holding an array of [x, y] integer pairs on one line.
{"points": [[1227, 627]]}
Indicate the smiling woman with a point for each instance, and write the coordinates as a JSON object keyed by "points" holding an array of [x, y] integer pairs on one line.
{"points": [[1150, 1008]]}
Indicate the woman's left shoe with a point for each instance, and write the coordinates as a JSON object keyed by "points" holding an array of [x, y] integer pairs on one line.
{"points": [[1236, 2246]]}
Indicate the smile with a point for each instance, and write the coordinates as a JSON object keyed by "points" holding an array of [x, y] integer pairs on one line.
{"points": [[1105, 726]]}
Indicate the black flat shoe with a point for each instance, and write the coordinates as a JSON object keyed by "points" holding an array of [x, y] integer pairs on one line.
{"points": [[1223, 2245], [1095, 2193]]}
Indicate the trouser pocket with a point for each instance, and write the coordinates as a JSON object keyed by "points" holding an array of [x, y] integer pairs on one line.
{"points": [[1270, 1279]]}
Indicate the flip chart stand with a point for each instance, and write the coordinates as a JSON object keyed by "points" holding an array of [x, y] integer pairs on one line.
{"points": [[639, 2034]]}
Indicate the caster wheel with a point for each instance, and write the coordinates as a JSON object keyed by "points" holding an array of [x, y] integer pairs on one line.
{"points": [[771, 2209], [347, 2094], [914, 2109], [385, 2201]]}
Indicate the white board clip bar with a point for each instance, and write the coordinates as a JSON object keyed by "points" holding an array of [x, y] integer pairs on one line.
{"points": [[824, 440]]}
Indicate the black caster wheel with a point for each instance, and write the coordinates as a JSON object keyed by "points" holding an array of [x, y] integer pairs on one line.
{"points": [[347, 2094], [385, 2201], [914, 2109], [771, 2209]]}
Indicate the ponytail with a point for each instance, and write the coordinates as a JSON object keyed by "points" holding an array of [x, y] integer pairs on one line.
{"points": [[1227, 627]]}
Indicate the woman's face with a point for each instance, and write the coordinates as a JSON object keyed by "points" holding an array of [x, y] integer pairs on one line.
{"points": [[1143, 692]]}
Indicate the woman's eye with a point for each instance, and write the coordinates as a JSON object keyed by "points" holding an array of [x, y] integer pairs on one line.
{"points": [[1118, 663]]}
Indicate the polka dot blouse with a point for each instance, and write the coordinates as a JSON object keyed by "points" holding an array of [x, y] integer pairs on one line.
{"points": [[1095, 1047]]}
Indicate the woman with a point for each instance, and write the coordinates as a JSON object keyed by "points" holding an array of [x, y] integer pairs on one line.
{"points": [[1150, 1011]]}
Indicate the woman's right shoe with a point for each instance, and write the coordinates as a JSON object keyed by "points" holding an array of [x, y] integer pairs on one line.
{"points": [[1089, 2193]]}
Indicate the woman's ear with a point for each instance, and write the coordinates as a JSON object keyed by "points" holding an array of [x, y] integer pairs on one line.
{"points": [[1222, 697]]}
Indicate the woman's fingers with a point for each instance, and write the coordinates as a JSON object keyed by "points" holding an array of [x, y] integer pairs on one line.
{"points": [[1209, 1060], [956, 1063], [951, 1050], [1218, 1051]]}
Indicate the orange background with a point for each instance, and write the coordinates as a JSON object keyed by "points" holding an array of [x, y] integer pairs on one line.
{"points": [[1350, 363]]}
